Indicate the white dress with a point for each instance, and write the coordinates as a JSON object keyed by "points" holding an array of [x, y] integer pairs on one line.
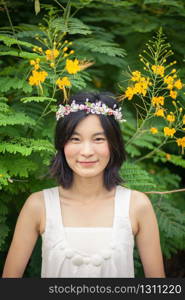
{"points": [[87, 251]]}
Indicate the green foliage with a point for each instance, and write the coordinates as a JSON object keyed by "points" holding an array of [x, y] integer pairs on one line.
{"points": [[136, 178], [111, 34]]}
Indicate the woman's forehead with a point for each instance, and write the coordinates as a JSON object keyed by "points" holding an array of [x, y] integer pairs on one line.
{"points": [[90, 123]]}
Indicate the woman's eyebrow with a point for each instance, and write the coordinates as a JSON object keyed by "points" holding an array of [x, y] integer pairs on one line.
{"points": [[97, 133]]}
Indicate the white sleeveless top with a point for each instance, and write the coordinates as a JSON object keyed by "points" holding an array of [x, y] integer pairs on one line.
{"points": [[87, 251]]}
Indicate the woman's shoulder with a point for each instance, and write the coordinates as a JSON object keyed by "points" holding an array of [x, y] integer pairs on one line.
{"points": [[35, 200], [140, 201]]}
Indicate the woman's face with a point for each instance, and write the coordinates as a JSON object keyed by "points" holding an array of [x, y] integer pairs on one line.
{"points": [[88, 143]]}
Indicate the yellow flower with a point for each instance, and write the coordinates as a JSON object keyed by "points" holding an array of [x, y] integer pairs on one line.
{"points": [[154, 130], [159, 112], [181, 143], [51, 54], [158, 70], [62, 82], [129, 93], [37, 77], [183, 119], [65, 49], [168, 156], [171, 117], [169, 131], [158, 100], [173, 94], [178, 84], [32, 62], [36, 66], [136, 76], [169, 80], [72, 66]]}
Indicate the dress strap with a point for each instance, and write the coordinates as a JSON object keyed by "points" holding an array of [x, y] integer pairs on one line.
{"points": [[52, 208], [122, 201]]}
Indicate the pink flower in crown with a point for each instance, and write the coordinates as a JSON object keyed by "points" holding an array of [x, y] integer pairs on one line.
{"points": [[110, 112]]}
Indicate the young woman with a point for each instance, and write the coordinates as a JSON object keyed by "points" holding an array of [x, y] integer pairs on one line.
{"points": [[90, 221]]}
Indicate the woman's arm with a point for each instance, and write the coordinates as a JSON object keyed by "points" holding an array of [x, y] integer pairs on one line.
{"points": [[148, 239], [24, 238]]}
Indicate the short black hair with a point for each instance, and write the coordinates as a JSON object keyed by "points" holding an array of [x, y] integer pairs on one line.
{"points": [[59, 168]]}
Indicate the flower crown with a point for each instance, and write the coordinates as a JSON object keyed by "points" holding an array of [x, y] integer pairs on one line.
{"points": [[94, 108]]}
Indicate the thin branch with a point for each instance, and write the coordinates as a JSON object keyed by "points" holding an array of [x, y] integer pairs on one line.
{"points": [[10, 21], [166, 192]]}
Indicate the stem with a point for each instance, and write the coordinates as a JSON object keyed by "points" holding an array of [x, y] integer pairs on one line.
{"points": [[10, 21], [151, 152], [166, 192]]}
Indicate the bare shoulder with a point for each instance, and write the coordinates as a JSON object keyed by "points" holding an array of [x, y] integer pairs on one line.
{"points": [[140, 201], [34, 206]]}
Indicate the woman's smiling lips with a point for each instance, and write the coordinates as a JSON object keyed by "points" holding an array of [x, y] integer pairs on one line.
{"points": [[87, 163]]}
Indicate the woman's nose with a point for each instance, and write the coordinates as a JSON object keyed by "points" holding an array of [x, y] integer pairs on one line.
{"points": [[87, 149]]}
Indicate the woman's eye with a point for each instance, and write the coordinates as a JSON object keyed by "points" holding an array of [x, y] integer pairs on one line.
{"points": [[100, 139], [73, 139]]}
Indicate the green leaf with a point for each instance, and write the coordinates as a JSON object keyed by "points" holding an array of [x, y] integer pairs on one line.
{"points": [[73, 26], [9, 41], [15, 118], [166, 2], [37, 6], [37, 99]]}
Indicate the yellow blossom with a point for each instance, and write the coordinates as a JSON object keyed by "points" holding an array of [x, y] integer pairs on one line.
{"points": [[37, 77], [71, 52], [129, 93], [159, 112], [169, 80], [136, 75], [178, 84], [32, 62], [173, 94], [181, 143], [51, 54], [168, 156], [158, 70], [62, 82], [169, 131], [183, 119], [158, 101], [171, 117], [65, 49], [154, 130], [36, 66], [72, 66]]}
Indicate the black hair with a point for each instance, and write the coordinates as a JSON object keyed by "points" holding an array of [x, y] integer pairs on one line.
{"points": [[65, 126]]}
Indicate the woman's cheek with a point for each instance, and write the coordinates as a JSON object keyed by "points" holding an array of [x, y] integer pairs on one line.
{"points": [[69, 150]]}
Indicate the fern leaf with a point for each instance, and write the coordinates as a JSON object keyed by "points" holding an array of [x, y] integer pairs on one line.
{"points": [[15, 118], [17, 167], [9, 41], [136, 178], [99, 46], [37, 99], [8, 83], [26, 146], [73, 26]]}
